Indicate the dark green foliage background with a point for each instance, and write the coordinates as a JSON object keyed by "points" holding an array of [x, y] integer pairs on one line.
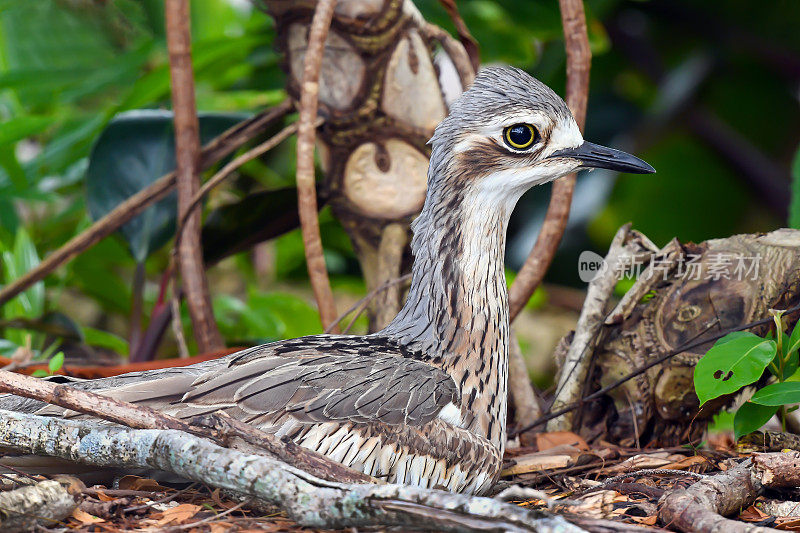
{"points": [[67, 67]]}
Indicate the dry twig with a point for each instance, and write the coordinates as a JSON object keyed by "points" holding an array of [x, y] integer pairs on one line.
{"points": [[187, 157], [306, 191], [360, 305], [458, 55]]}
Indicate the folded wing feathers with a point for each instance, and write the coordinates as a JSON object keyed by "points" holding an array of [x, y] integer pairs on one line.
{"points": [[320, 387]]}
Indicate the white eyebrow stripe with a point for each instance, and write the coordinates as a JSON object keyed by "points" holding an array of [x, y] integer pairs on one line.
{"points": [[538, 119]]}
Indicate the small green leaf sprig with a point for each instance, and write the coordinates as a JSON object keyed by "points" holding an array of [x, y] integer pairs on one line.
{"points": [[739, 359]]}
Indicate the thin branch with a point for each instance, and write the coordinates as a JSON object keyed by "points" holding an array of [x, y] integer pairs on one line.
{"points": [[187, 157], [222, 428], [386, 304], [306, 190], [246, 157], [360, 305], [579, 57], [212, 152], [466, 40]]}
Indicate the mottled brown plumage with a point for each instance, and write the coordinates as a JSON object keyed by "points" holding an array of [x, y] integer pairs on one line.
{"points": [[424, 400]]}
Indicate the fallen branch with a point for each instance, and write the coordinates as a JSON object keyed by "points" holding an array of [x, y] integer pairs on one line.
{"points": [[215, 150], [45, 503], [579, 58], [308, 500], [701, 507], [306, 189], [778, 470], [217, 427], [187, 158], [91, 403]]}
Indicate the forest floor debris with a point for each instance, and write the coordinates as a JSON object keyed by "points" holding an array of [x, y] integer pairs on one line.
{"points": [[598, 487]]}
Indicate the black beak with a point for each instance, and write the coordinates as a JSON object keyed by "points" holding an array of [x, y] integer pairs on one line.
{"points": [[595, 156]]}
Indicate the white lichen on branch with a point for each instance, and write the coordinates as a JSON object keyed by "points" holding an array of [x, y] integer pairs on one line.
{"points": [[308, 500]]}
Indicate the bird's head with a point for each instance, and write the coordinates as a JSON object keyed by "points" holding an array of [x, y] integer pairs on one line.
{"points": [[509, 132]]}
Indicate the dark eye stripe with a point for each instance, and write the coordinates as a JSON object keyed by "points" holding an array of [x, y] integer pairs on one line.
{"points": [[520, 136]]}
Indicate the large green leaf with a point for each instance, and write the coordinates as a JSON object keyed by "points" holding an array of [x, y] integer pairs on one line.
{"points": [[750, 417], [778, 394], [134, 150], [731, 364], [21, 127]]}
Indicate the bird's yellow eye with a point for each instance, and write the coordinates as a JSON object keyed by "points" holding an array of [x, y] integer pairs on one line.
{"points": [[520, 136]]}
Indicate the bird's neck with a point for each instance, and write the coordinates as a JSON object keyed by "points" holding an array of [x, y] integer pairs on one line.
{"points": [[456, 314]]}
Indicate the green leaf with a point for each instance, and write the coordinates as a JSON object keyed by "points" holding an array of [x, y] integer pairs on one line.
{"points": [[733, 336], [135, 150], [40, 373], [791, 365], [731, 364], [15, 262], [778, 394], [19, 128], [239, 322], [794, 205], [750, 417], [794, 339], [103, 339], [56, 362]]}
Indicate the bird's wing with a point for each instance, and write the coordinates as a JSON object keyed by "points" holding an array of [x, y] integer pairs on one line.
{"points": [[312, 379]]}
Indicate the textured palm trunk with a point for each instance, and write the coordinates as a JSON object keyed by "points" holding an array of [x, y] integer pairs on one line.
{"points": [[384, 87]]}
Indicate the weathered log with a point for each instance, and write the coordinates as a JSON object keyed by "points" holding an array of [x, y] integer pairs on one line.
{"points": [[701, 508], [45, 503], [778, 470]]}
